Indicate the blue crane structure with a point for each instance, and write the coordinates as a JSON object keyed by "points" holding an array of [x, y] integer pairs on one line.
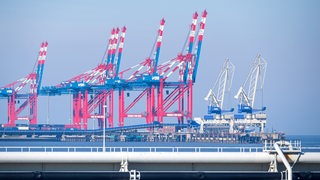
{"points": [[20, 97], [93, 92], [248, 117], [165, 90], [255, 80], [222, 85]]}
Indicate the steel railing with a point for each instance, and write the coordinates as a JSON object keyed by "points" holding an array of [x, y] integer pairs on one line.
{"points": [[131, 149]]}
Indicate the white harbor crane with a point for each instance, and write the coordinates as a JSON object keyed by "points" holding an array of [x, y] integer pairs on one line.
{"points": [[250, 117], [216, 96], [222, 84], [254, 81]]}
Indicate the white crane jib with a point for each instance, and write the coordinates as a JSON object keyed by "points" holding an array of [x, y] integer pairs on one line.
{"points": [[216, 95], [255, 79]]}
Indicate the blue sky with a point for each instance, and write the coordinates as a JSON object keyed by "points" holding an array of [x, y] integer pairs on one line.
{"points": [[285, 33]]}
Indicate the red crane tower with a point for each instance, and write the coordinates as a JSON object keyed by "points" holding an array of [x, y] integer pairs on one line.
{"points": [[186, 65], [90, 82], [149, 76], [94, 89], [13, 92], [142, 78]]}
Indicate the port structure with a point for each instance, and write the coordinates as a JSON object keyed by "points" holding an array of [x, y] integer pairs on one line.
{"points": [[254, 80], [174, 77], [23, 93], [222, 85], [248, 116], [93, 92], [166, 89], [217, 115]]}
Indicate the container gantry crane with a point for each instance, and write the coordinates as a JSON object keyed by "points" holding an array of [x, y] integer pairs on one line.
{"points": [[94, 90], [153, 80], [144, 78], [186, 66], [14, 93], [95, 84], [104, 93]]}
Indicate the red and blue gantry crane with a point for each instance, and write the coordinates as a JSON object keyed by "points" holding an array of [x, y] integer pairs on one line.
{"points": [[20, 97], [166, 88], [93, 84], [153, 80]]}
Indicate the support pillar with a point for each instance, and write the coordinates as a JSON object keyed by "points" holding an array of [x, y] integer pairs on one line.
{"points": [[76, 109], [102, 110], [160, 102], [121, 108], [148, 108], [150, 105], [181, 104], [85, 113], [190, 95], [11, 110], [33, 109], [152, 108], [111, 109]]}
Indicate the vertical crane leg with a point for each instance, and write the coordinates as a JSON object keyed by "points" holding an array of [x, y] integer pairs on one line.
{"points": [[85, 110], [152, 105], [111, 103], [121, 108], [102, 110], [181, 104], [74, 106], [81, 99], [148, 106], [100, 120], [160, 102], [33, 108], [190, 100], [76, 109], [11, 110]]}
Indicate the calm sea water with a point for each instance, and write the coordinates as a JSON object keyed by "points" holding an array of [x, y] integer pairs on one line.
{"points": [[306, 141]]}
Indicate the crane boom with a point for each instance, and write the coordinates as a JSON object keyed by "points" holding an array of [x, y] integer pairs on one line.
{"points": [[110, 45], [41, 60], [158, 45], [223, 83], [115, 45], [199, 45], [121, 43], [148, 67], [192, 31], [255, 80]]}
